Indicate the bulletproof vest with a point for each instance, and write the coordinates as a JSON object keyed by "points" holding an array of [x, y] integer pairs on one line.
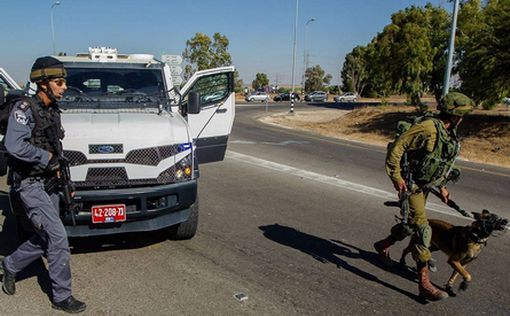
{"points": [[45, 117], [432, 168]]}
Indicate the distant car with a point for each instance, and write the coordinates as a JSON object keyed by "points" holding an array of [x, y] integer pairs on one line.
{"points": [[506, 101], [257, 96], [285, 97], [317, 96], [347, 97]]}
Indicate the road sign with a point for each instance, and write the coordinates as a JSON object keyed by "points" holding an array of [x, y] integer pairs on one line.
{"points": [[177, 80], [172, 59], [175, 70]]}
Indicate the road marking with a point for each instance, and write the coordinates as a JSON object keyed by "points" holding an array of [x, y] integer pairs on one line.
{"points": [[284, 143], [338, 182]]}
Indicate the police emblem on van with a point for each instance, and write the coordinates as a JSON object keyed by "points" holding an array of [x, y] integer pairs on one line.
{"points": [[106, 149]]}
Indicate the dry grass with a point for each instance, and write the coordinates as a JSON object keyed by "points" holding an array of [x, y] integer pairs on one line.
{"points": [[486, 135]]}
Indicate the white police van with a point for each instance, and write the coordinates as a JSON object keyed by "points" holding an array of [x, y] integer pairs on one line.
{"points": [[134, 141]]}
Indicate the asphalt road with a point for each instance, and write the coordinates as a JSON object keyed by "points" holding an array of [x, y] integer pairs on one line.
{"points": [[288, 219]]}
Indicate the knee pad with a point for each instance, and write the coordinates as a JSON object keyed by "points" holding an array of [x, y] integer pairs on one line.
{"points": [[424, 235]]}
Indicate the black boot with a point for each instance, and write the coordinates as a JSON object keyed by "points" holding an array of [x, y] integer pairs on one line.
{"points": [[8, 280], [70, 305]]}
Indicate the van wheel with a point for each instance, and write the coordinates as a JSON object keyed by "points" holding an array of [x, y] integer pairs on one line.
{"points": [[187, 229]]}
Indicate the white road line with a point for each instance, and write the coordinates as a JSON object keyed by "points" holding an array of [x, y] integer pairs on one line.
{"points": [[344, 184]]}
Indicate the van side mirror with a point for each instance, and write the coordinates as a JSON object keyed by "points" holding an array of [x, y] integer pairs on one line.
{"points": [[194, 103]]}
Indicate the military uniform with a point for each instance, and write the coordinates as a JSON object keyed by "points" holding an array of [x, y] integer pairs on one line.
{"points": [[29, 171], [431, 150], [420, 141]]}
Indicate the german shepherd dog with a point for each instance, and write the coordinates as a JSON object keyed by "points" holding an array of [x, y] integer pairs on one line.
{"points": [[462, 244]]}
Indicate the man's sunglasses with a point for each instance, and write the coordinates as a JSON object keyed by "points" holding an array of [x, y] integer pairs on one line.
{"points": [[59, 82]]}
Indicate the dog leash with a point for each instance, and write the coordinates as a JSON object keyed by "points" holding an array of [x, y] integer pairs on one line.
{"points": [[452, 204]]}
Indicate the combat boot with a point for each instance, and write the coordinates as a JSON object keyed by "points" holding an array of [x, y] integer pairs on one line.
{"points": [[383, 249], [426, 289], [8, 280], [70, 305]]}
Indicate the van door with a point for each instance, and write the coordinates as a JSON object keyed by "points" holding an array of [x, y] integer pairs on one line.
{"points": [[7, 82], [211, 127]]}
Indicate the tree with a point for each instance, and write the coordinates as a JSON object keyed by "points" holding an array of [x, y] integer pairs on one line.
{"points": [[260, 81], [484, 62], [201, 53], [316, 78], [354, 71], [238, 83]]}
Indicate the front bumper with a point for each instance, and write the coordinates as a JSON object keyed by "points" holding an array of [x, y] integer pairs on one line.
{"points": [[147, 209]]}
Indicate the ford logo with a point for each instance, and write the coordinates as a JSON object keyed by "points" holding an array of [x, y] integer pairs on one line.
{"points": [[105, 149]]}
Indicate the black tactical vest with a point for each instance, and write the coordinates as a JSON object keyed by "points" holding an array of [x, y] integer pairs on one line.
{"points": [[45, 117]]}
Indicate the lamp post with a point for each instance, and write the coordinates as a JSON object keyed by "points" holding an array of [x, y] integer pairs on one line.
{"points": [[294, 58], [305, 56], [55, 3], [451, 48]]}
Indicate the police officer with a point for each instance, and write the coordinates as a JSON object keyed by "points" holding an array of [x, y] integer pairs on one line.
{"points": [[33, 163], [432, 147]]}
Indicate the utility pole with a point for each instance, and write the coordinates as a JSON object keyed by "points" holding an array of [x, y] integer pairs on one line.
{"points": [[294, 58], [451, 49]]}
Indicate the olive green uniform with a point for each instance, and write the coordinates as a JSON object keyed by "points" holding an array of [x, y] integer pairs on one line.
{"points": [[419, 141]]}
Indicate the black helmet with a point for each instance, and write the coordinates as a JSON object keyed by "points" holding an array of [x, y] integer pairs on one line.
{"points": [[47, 67]]}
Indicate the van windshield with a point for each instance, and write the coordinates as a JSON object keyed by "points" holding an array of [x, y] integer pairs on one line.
{"points": [[113, 87]]}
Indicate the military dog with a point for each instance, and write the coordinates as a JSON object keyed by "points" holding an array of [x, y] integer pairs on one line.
{"points": [[462, 244]]}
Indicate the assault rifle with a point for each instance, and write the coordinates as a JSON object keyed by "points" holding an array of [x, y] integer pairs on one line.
{"points": [[404, 196], [65, 184], [403, 201]]}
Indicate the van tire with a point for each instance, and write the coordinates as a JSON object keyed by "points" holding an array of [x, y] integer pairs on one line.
{"points": [[187, 229]]}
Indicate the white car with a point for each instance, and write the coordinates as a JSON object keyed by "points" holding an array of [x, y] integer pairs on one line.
{"points": [[257, 96], [347, 97], [506, 101]]}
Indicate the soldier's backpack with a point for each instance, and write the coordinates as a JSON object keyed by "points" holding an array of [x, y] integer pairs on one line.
{"points": [[436, 167]]}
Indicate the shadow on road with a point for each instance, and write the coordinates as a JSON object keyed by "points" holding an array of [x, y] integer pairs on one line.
{"points": [[326, 251]]}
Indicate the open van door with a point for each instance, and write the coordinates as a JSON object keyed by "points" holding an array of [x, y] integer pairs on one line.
{"points": [[7, 82], [211, 123]]}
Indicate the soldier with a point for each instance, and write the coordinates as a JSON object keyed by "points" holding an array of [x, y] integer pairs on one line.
{"points": [[432, 147], [32, 164]]}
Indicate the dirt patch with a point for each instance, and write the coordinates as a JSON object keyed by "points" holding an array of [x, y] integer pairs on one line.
{"points": [[485, 135]]}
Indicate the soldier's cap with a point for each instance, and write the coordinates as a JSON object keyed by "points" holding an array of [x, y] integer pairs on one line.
{"points": [[46, 68], [455, 103]]}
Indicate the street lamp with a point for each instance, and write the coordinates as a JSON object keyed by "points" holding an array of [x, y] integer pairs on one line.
{"points": [[305, 56], [55, 3], [294, 58]]}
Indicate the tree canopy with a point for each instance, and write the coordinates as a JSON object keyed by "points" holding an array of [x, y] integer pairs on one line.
{"points": [[316, 79], [409, 55], [261, 81], [203, 53]]}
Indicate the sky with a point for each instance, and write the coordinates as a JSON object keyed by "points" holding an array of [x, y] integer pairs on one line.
{"points": [[261, 32]]}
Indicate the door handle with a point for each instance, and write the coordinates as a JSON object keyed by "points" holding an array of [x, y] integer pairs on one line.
{"points": [[223, 110]]}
